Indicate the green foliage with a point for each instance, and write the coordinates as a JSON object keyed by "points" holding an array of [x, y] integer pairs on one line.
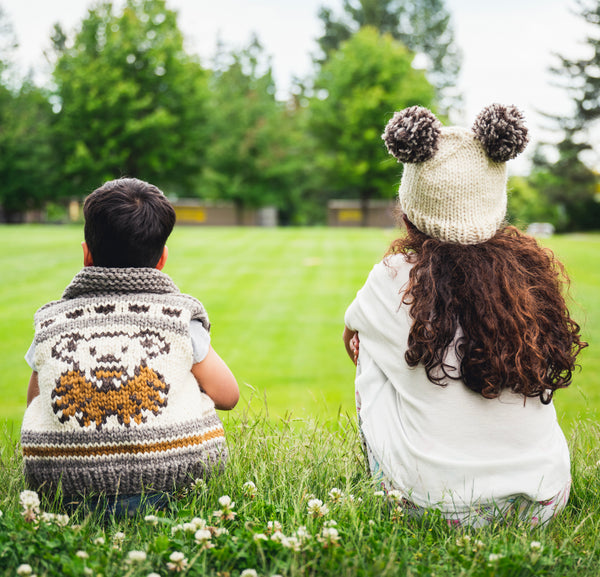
{"points": [[526, 204], [27, 160], [423, 26], [249, 157], [132, 102], [356, 92], [579, 76], [273, 473], [569, 186]]}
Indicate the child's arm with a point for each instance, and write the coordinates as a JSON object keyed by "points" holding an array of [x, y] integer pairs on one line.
{"points": [[33, 390], [351, 343], [217, 381]]}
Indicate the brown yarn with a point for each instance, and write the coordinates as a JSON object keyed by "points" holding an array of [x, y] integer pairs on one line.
{"points": [[506, 296]]}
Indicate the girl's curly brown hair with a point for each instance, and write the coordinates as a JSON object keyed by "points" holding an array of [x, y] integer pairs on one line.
{"points": [[506, 296]]}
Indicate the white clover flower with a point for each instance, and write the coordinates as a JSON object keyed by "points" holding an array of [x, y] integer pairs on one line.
{"points": [[316, 508], [82, 554], [87, 571], [220, 531], [336, 495], [151, 519], [198, 523], [225, 501], [292, 543], [153, 575], [330, 523], [249, 573], [1, 513], [329, 537], [202, 538], [378, 493], [395, 496], [99, 541], [189, 527], [226, 512], [24, 569], [398, 513], [535, 546], [302, 534], [273, 526], [119, 537], [176, 528], [136, 556], [29, 499], [277, 536], [463, 541], [178, 562], [260, 537], [371, 522], [198, 484], [249, 489], [478, 545], [495, 557]]}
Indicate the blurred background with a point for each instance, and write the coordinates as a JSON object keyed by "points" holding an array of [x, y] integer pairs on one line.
{"points": [[273, 109]]}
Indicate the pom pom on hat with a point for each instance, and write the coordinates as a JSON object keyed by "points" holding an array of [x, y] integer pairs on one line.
{"points": [[501, 131], [412, 134]]}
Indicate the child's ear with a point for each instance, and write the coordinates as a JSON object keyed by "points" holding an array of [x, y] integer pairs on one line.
{"points": [[163, 259], [87, 255]]}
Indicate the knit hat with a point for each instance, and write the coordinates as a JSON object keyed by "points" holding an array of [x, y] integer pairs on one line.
{"points": [[454, 183]]}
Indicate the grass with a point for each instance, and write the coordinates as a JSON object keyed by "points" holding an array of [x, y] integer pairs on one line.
{"points": [[289, 465], [276, 298]]}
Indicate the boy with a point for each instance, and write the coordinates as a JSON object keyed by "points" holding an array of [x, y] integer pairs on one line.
{"points": [[125, 382]]}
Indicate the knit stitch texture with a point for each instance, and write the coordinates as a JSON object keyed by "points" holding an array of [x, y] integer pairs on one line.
{"points": [[119, 410]]}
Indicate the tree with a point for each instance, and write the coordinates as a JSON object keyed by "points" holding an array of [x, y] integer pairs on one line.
{"points": [[569, 182], [132, 102], [248, 159], [27, 162], [580, 77], [357, 91], [423, 26], [26, 169]]}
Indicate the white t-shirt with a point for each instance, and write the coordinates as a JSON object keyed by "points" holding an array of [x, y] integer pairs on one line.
{"points": [[200, 344], [445, 446]]}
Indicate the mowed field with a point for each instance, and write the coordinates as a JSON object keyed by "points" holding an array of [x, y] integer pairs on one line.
{"points": [[276, 299]]}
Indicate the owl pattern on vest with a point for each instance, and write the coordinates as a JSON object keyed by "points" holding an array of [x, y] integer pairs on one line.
{"points": [[108, 374]]}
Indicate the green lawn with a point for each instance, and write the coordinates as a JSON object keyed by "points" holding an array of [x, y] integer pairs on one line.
{"points": [[276, 298]]}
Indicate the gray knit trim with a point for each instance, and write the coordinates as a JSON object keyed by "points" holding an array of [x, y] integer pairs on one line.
{"points": [[127, 474], [93, 280]]}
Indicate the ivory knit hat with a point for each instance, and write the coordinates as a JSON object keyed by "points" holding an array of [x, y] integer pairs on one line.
{"points": [[453, 186]]}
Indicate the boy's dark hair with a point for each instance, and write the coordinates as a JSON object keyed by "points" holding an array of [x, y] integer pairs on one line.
{"points": [[127, 223]]}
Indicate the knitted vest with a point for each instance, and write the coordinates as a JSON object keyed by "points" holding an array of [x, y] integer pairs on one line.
{"points": [[119, 410]]}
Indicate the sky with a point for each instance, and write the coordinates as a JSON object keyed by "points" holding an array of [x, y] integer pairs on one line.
{"points": [[507, 46]]}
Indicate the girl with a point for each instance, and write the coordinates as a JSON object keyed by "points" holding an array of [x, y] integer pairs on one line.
{"points": [[464, 334]]}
